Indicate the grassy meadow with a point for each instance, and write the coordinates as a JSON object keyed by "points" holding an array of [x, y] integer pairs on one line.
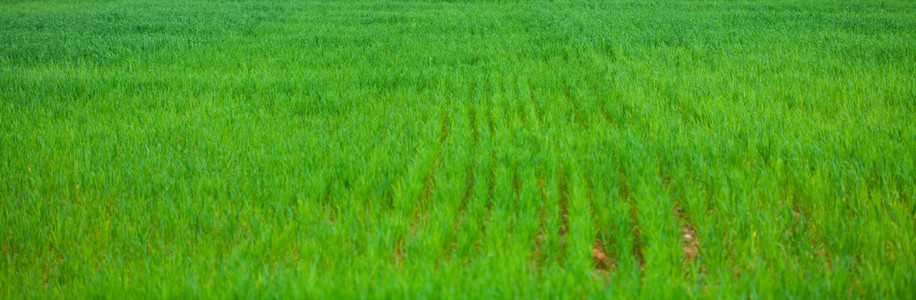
{"points": [[458, 149]]}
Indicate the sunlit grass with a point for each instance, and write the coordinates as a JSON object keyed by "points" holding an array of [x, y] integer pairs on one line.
{"points": [[469, 149]]}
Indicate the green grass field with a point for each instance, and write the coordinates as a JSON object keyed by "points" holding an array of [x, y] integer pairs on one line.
{"points": [[459, 149]]}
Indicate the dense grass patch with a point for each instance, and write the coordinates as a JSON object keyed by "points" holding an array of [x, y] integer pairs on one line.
{"points": [[470, 149]]}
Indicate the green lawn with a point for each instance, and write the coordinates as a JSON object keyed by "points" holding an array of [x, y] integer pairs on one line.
{"points": [[459, 149]]}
